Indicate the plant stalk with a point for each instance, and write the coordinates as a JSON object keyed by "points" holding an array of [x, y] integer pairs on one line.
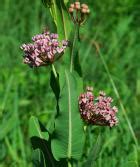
{"points": [[75, 39]]}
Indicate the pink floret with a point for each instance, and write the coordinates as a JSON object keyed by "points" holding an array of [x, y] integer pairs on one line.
{"points": [[44, 50], [99, 112]]}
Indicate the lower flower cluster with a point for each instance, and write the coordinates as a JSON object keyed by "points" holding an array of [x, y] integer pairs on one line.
{"points": [[44, 50], [97, 111]]}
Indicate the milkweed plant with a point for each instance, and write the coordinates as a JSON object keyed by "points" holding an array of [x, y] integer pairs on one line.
{"points": [[77, 108]]}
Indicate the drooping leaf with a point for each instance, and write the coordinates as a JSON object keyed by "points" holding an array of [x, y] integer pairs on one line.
{"points": [[38, 158], [40, 140], [68, 138], [35, 131], [54, 82]]}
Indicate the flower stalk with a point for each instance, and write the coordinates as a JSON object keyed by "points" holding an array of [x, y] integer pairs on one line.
{"points": [[74, 45]]}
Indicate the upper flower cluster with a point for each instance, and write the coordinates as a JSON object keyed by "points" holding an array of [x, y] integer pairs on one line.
{"points": [[78, 12], [100, 112], [44, 50]]}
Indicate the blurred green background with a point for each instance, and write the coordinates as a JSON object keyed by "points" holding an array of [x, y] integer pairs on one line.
{"points": [[114, 26]]}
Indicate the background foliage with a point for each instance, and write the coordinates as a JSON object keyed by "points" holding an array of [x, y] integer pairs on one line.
{"points": [[114, 26]]}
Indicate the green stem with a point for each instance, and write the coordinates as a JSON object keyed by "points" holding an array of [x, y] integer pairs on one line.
{"points": [[69, 164], [54, 71], [118, 96], [75, 39]]}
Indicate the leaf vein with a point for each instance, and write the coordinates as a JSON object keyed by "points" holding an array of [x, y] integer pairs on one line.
{"points": [[69, 112]]}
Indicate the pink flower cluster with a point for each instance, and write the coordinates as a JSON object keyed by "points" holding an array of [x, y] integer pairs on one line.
{"points": [[44, 50], [99, 112]]}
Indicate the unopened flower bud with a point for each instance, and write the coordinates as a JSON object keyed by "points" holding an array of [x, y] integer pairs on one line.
{"points": [[84, 11], [88, 11], [71, 10], [77, 5], [89, 88], [72, 5], [79, 12], [84, 6]]}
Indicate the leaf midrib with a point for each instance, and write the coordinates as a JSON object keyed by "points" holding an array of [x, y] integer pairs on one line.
{"points": [[70, 121]]}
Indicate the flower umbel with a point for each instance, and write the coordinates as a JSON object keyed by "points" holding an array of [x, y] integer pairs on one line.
{"points": [[79, 12], [100, 112], [44, 50]]}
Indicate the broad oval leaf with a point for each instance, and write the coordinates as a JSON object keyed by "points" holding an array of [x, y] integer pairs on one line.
{"points": [[68, 138]]}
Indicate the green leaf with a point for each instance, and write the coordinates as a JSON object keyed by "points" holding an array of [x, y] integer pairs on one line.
{"points": [[47, 2], [40, 140], [77, 65], [69, 134], [63, 22], [66, 1], [35, 131], [75, 62], [61, 17], [38, 158], [54, 82]]}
